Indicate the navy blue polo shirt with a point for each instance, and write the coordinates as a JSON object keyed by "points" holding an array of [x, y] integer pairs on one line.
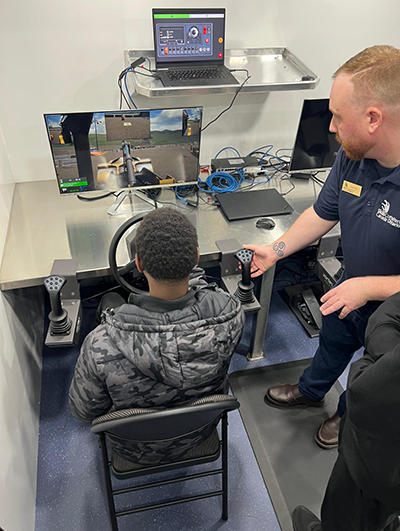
{"points": [[365, 198]]}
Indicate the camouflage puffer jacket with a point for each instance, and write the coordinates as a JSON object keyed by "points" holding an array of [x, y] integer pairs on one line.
{"points": [[144, 357]]}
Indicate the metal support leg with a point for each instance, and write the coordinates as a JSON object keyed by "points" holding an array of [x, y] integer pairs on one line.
{"points": [[261, 319], [107, 477], [225, 466]]}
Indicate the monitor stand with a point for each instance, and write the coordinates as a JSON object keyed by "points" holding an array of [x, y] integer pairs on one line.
{"points": [[127, 203]]}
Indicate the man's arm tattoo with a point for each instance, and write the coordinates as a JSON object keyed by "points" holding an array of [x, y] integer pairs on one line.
{"points": [[279, 248]]}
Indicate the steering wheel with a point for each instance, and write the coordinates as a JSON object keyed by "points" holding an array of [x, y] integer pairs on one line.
{"points": [[116, 271]]}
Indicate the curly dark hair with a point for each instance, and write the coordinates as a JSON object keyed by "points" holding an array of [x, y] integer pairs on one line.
{"points": [[166, 243]]}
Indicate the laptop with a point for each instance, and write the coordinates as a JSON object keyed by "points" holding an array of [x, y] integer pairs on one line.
{"points": [[189, 47], [256, 204]]}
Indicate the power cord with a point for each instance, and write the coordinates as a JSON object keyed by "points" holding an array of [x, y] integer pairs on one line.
{"points": [[126, 88], [240, 70], [230, 105], [122, 95], [186, 191], [264, 167], [122, 76], [132, 69], [94, 198], [293, 186], [316, 179], [152, 73], [153, 194]]}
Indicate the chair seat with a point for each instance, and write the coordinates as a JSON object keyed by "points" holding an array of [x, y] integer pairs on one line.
{"points": [[168, 433], [207, 451]]}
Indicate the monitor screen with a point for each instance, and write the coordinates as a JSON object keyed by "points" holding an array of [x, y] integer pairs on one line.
{"points": [[315, 147], [183, 36], [124, 149]]}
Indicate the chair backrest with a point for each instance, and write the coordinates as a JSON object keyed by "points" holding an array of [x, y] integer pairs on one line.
{"points": [[160, 424]]}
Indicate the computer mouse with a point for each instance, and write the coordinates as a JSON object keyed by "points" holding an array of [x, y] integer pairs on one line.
{"points": [[265, 223]]}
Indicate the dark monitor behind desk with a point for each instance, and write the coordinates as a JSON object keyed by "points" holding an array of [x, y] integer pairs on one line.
{"points": [[315, 148], [256, 204]]}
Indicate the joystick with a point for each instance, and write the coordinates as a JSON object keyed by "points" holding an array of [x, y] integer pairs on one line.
{"points": [[60, 323], [193, 32], [244, 290]]}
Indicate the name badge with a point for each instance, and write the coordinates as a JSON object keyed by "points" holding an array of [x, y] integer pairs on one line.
{"points": [[351, 188]]}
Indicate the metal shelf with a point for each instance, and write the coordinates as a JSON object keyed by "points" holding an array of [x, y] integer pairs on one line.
{"points": [[271, 69]]}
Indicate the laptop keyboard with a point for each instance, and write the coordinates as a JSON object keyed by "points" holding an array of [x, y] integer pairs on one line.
{"points": [[182, 74]]}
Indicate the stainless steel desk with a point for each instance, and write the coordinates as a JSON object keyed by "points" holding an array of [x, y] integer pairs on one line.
{"points": [[45, 226]]}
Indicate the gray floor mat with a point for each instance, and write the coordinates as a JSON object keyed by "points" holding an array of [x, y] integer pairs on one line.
{"points": [[294, 468]]}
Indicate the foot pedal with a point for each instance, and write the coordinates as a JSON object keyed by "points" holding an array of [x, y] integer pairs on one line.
{"points": [[313, 306]]}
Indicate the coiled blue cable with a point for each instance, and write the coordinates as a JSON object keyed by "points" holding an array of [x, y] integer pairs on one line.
{"points": [[226, 182]]}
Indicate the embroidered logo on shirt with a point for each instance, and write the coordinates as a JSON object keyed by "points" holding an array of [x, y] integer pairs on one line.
{"points": [[351, 188], [383, 214]]}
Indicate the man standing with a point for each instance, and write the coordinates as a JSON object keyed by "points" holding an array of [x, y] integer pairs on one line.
{"points": [[362, 192], [363, 492]]}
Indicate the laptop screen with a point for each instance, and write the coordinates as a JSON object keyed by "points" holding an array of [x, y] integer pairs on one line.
{"points": [[187, 36]]}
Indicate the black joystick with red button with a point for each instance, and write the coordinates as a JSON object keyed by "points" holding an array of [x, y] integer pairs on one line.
{"points": [[60, 323], [244, 291]]}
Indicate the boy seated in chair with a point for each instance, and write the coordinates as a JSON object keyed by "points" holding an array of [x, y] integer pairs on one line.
{"points": [[161, 349]]}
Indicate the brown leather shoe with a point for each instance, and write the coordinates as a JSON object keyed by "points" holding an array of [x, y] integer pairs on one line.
{"points": [[327, 436], [288, 395], [304, 520]]}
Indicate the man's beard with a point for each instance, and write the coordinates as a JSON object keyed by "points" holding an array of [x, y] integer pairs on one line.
{"points": [[354, 150]]}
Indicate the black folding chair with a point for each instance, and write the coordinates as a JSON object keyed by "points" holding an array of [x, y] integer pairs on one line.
{"points": [[130, 426]]}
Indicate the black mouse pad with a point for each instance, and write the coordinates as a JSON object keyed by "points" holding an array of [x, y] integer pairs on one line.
{"points": [[255, 204]]}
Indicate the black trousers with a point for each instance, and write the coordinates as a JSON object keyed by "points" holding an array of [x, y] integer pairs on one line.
{"points": [[347, 508]]}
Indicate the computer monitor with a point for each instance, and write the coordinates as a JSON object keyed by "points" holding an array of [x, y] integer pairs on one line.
{"points": [[315, 147], [189, 36], [118, 150]]}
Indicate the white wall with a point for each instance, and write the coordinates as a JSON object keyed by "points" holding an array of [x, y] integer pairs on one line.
{"points": [[56, 57], [21, 343], [66, 55], [7, 184], [20, 363]]}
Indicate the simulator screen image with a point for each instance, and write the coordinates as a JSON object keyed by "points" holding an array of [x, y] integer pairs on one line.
{"points": [[116, 150]]}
